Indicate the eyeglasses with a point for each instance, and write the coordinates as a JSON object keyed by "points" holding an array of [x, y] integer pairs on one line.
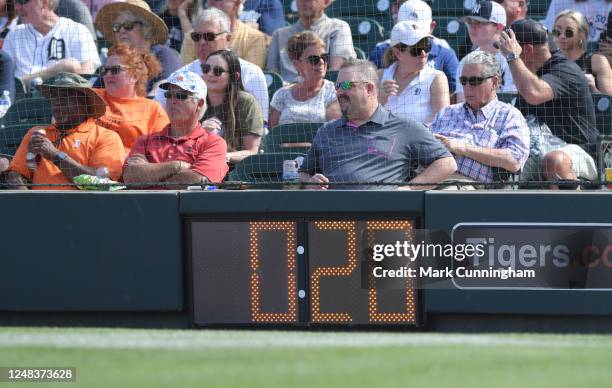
{"points": [[128, 26], [473, 81], [181, 96], [216, 70], [207, 36], [348, 85], [316, 59], [415, 50], [569, 33], [114, 69], [22, 2]]}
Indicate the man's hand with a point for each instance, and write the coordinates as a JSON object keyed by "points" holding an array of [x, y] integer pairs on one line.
{"points": [[212, 124], [509, 44], [137, 159], [456, 147], [40, 144], [317, 178], [591, 82]]}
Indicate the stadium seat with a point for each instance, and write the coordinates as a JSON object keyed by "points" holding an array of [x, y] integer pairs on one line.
{"points": [[453, 30], [295, 137], [20, 89], [360, 53], [274, 82], [31, 110], [508, 98], [603, 119], [262, 168], [366, 32], [11, 136], [448, 8]]}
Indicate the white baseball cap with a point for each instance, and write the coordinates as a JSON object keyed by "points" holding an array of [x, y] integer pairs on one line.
{"points": [[408, 33], [487, 11], [416, 11], [188, 81]]}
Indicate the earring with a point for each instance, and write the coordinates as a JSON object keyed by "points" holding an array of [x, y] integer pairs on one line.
{"points": [[581, 43]]}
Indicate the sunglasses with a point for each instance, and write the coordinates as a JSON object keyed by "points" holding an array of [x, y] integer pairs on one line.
{"points": [[22, 2], [207, 36], [128, 26], [568, 33], [216, 70], [415, 50], [316, 59], [181, 96], [473, 81], [114, 70], [348, 85]]}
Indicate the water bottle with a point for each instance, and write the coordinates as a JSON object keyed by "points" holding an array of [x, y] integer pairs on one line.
{"points": [[5, 102], [34, 84]]}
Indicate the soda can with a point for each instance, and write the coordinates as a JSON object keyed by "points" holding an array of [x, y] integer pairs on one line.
{"points": [[291, 175]]}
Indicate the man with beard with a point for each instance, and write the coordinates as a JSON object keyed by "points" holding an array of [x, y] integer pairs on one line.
{"points": [[369, 144], [75, 144]]}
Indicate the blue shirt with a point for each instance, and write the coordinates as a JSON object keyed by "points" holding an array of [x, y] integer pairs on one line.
{"points": [[272, 14], [441, 57]]}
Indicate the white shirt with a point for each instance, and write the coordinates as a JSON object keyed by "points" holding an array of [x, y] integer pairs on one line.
{"points": [[309, 111], [253, 81], [414, 101], [506, 85], [595, 11], [33, 52]]}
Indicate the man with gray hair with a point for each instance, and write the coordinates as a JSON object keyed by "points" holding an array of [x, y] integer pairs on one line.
{"points": [[482, 132], [211, 33], [369, 144], [46, 44], [183, 153]]}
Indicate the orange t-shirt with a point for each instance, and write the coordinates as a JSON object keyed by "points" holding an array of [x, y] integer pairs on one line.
{"points": [[132, 117], [89, 144]]}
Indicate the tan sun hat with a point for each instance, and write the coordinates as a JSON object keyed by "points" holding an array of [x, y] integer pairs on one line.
{"points": [[78, 83], [107, 15]]}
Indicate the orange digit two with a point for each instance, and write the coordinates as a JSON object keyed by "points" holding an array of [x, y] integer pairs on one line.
{"points": [[289, 229], [316, 314], [390, 317]]}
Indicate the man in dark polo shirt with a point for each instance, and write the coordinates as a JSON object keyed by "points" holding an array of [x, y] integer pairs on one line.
{"points": [[369, 144], [554, 91]]}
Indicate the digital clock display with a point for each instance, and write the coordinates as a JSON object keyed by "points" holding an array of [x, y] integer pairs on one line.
{"points": [[302, 272]]}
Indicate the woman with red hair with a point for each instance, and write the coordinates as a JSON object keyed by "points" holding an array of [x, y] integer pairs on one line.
{"points": [[129, 113]]}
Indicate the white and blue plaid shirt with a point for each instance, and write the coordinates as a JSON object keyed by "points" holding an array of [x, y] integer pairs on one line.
{"points": [[495, 125]]}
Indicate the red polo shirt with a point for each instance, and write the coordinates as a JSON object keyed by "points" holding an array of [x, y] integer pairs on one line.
{"points": [[203, 150]]}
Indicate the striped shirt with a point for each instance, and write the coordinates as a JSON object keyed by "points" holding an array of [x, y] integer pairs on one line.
{"points": [[495, 125]]}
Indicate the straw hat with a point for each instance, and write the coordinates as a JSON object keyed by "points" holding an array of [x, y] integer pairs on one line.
{"points": [[107, 15], [78, 83]]}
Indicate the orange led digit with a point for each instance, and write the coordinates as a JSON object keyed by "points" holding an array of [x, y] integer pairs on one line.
{"points": [[316, 314], [257, 315], [396, 317]]}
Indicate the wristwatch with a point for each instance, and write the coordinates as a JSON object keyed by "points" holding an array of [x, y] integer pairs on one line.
{"points": [[59, 157], [511, 57]]}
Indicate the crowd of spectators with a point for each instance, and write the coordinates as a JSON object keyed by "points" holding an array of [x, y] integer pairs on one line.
{"points": [[182, 85]]}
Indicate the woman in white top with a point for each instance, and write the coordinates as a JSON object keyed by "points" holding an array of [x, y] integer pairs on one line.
{"points": [[410, 87], [313, 99]]}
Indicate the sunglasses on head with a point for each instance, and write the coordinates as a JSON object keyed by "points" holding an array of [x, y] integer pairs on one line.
{"points": [[128, 26], [473, 81], [216, 70], [348, 85], [181, 96], [114, 69], [316, 59], [207, 36], [415, 51], [569, 33]]}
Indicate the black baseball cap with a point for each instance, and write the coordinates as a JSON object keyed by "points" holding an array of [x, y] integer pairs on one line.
{"points": [[529, 31]]}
